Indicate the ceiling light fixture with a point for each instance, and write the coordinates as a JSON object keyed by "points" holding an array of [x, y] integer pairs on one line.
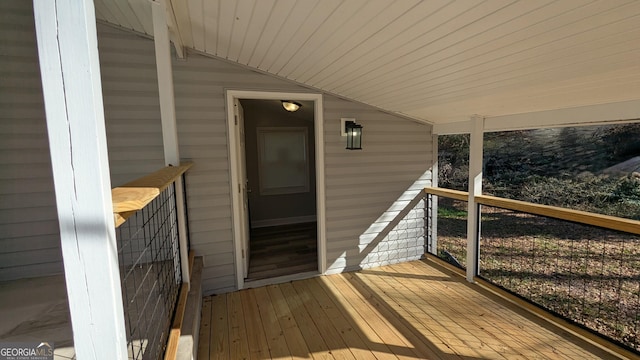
{"points": [[290, 105]]}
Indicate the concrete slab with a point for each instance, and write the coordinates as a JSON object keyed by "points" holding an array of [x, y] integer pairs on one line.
{"points": [[37, 309]]}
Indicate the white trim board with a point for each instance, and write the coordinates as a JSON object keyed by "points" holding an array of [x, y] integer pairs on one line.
{"points": [[234, 160], [283, 221], [600, 114], [280, 279]]}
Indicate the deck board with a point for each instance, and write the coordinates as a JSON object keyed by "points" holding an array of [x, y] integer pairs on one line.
{"points": [[238, 345], [329, 333], [499, 335], [205, 328], [455, 331], [406, 311], [399, 326], [219, 337], [356, 312], [350, 334], [310, 333], [256, 334], [294, 338], [276, 340]]}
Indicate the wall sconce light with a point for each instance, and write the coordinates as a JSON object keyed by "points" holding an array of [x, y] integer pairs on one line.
{"points": [[353, 132], [290, 105]]}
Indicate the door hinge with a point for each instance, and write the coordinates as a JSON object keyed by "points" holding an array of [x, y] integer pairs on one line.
{"points": [[243, 253], [235, 119]]}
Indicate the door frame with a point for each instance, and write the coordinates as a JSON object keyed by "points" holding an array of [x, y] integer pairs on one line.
{"points": [[234, 172]]}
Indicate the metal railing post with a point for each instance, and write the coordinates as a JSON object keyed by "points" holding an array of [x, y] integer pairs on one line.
{"points": [[475, 188], [431, 222], [183, 235]]}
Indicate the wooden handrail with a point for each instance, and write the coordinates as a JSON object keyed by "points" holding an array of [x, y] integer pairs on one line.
{"points": [[448, 193], [583, 217], [135, 195]]}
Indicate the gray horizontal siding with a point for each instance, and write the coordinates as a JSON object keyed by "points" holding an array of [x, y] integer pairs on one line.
{"points": [[131, 105], [362, 187], [200, 83], [372, 179], [29, 234], [365, 189]]}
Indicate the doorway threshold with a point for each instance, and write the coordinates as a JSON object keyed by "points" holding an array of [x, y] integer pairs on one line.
{"points": [[248, 283]]}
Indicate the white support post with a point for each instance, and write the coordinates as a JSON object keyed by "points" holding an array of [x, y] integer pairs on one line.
{"points": [[68, 54], [475, 188], [168, 118], [165, 83], [434, 203]]}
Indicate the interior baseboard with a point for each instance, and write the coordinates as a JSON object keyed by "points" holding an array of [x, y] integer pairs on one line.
{"points": [[283, 221]]}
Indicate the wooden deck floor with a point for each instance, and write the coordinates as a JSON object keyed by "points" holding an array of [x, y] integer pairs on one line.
{"points": [[407, 311]]}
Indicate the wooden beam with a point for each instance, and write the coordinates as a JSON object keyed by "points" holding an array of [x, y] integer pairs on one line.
{"points": [[461, 127], [170, 21], [589, 115], [68, 56], [132, 198], [135, 195], [448, 193], [182, 23], [599, 114], [174, 36], [582, 217], [160, 179]]}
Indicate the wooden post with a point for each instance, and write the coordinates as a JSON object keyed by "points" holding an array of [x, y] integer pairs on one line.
{"points": [[68, 53], [475, 188], [169, 125]]}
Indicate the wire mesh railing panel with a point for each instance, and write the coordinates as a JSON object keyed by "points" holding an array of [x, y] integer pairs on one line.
{"points": [[149, 260], [451, 244], [588, 275]]}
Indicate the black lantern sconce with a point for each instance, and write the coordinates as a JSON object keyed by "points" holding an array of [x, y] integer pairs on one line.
{"points": [[353, 132]]}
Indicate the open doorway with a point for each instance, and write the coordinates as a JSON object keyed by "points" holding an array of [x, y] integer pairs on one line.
{"points": [[277, 171], [281, 188]]}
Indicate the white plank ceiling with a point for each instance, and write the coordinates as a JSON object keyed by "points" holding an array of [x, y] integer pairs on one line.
{"points": [[439, 61]]}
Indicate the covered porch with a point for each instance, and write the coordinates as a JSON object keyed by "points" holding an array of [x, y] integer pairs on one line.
{"points": [[414, 310]]}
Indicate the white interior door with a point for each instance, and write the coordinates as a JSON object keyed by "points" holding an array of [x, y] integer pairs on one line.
{"points": [[242, 178]]}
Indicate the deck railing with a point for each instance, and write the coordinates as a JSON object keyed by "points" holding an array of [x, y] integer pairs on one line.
{"points": [[149, 256], [449, 241], [581, 266]]}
